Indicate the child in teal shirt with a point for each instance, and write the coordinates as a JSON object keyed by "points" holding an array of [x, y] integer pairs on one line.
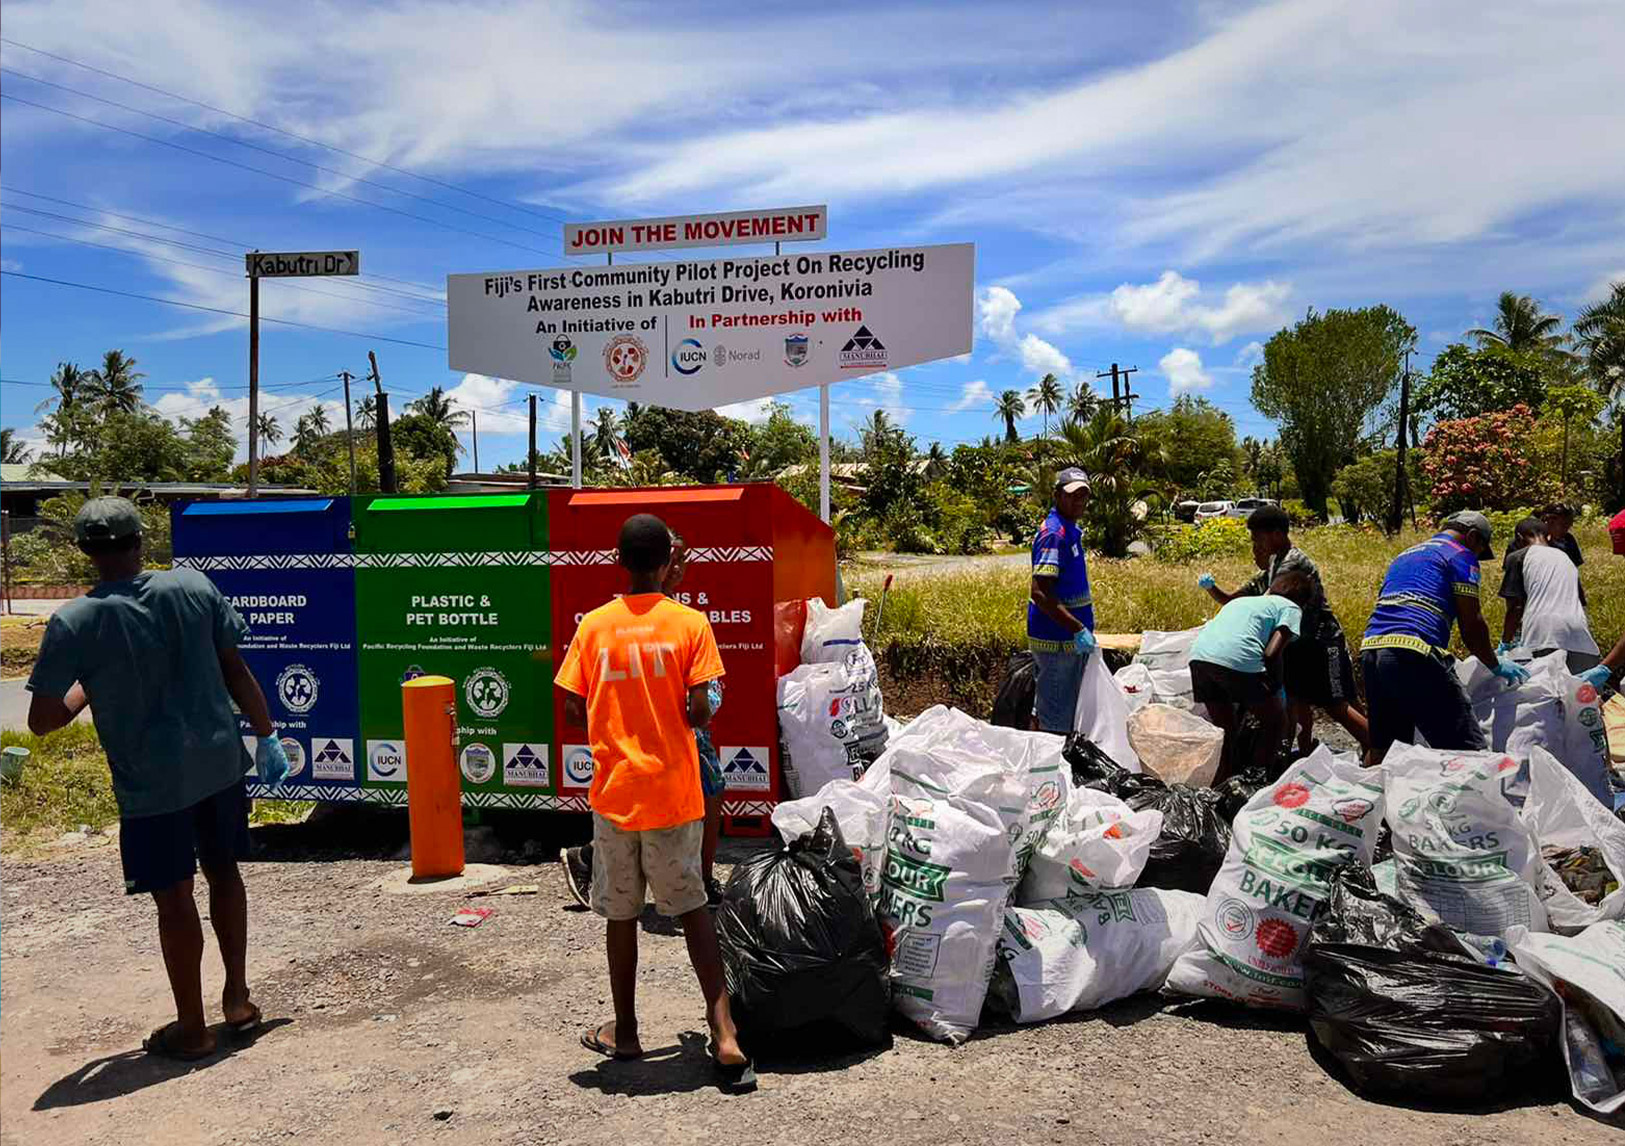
{"points": [[1236, 665]]}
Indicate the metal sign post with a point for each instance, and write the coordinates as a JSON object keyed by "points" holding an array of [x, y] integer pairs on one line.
{"points": [[281, 265]]}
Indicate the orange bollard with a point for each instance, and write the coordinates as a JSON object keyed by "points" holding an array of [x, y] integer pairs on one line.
{"points": [[434, 803]]}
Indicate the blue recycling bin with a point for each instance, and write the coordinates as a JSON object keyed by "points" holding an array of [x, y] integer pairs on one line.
{"points": [[286, 565]]}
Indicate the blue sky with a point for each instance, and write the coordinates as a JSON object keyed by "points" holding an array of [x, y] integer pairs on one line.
{"points": [[1162, 185]]}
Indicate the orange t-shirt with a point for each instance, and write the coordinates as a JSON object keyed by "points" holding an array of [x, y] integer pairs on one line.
{"points": [[634, 661]]}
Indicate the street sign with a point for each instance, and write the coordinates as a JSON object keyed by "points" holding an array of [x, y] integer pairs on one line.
{"points": [[302, 264], [774, 225]]}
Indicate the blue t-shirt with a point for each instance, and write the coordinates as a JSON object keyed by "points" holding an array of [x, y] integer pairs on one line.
{"points": [[147, 651], [1417, 605], [1058, 553], [1237, 636]]}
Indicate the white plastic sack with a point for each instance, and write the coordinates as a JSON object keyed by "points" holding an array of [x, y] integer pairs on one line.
{"points": [[1287, 843], [949, 869], [830, 721], [1085, 951], [1175, 745], [830, 634], [1585, 971], [1102, 714], [1167, 656], [1464, 858], [1561, 813], [1098, 843], [859, 813], [1135, 682], [1552, 709]]}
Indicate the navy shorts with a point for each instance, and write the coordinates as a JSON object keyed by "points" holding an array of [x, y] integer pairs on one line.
{"points": [[1214, 683], [1407, 693], [161, 851], [1319, 671]]}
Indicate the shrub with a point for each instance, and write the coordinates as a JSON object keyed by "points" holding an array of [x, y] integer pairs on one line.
{"points": [[1301, 516], [1488, 462], [1218, 537]]}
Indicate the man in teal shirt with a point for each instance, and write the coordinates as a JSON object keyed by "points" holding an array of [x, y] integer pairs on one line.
{"points": [[155, 657]]}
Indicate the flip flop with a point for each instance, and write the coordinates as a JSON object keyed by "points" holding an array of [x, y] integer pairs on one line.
{"points": [[734, 1078], [160, 1044], [249, 1025], [593, 1040]]}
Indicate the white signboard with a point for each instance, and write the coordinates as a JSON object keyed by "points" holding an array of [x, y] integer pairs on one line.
{"points": [[775, 225], [302, 264], [703, 334]]}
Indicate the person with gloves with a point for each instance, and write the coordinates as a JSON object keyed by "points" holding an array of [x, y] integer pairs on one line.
{"points": [[1410, 682], [1607, 672], [1545, 608], [1060, 615], [154, 655]]}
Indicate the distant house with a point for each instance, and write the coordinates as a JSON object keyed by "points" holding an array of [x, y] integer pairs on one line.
{"points": [[21, 492], [505, 481]]}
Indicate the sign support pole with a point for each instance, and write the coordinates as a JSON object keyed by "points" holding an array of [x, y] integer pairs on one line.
{"points": [[823, 452], [349, 428], [253, 383]]}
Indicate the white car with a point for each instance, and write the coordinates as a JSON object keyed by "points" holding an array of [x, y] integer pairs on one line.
{"points": [[1245, 506], [1211, 509]]}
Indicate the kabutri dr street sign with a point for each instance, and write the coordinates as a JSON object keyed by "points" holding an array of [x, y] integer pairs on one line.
{"points": [[302, 264]]}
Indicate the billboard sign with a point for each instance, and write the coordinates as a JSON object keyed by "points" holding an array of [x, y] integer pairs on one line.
{"points": [[694, 335], [775, 225]]}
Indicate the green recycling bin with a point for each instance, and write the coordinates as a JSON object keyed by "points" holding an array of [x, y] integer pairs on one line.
{"points": [[458, 586]]}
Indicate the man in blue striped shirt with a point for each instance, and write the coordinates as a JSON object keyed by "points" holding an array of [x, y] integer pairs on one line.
{"points": [[1061, 615]]}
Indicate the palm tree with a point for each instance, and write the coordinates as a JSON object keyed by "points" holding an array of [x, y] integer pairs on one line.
{"points": [[1520, 326], [606, 428], [439, 408], [1116, 460], [1081, 403], [366, 412], [936, 461], [115, 387], [1600, 333], [269, 431], [12, 449], [319, 425], [1009, 407], [1047, 398], [71, 386]]}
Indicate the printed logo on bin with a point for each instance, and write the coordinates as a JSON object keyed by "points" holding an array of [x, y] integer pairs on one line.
{"points": [[525, 765], [486, 691], [745, 768], [296, 755], [386, 761], [296, 688], [577, 765], [334, 760], [478, 763]]}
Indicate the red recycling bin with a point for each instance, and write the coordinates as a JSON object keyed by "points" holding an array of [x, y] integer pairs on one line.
{"points": [[753, 550]]}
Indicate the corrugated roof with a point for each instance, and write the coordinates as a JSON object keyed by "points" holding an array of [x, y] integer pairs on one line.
{"points": [[18, 472]]}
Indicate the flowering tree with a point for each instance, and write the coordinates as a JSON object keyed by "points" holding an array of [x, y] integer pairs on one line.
{"points": [[1487, 462]]}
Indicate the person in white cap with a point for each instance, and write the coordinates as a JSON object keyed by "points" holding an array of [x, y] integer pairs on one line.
{"points": [[1060, 615]]}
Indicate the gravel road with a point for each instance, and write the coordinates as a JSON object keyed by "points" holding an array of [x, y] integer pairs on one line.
{"points": [[385, 1025]]}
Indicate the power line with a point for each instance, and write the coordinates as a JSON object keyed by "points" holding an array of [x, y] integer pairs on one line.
{"points": [[221, 310]]}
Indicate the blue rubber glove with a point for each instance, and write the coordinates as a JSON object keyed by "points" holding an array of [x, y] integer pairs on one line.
{"points": [[713, 693], [271, 761], [1598, 677], [1513, 674], [1206, 581], [1505, 647], [1084, 643]]}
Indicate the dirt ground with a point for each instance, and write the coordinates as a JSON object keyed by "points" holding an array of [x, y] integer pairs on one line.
{"points": [[386, 1025]]}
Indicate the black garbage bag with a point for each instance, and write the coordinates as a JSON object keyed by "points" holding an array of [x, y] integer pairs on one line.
{"points": [[1236, 791], [1189, 850], [802, 951], [1408, 1009], [1013, 707]]}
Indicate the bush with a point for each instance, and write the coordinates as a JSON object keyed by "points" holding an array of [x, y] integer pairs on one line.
{"points": [[1299, 514], [1487, 462], [1218, 537]]}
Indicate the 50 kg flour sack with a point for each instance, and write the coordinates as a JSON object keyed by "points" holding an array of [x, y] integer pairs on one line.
{"points": [[1562, 814], [1552, 710], [1167, 657], [1463, 856], [1086, 950], [859, 813], [947, 875], [1286, 844], [830, 721], [1588, 973], [1099, 842], [830, 634]]}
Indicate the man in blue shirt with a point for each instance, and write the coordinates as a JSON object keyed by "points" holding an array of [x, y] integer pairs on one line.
{"points": [[155, 657], [1410, 680], [1060, 616]]}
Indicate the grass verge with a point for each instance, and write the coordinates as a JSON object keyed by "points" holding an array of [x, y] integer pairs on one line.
{"points": [[20, 639]]}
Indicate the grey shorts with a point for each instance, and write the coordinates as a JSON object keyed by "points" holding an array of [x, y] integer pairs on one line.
{"points": [[663, 863]]}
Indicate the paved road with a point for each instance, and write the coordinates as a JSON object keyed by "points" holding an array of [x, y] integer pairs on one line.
{"points": [[14, 706]]}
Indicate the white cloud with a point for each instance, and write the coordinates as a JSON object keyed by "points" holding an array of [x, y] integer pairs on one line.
{"points": [[1172, 305], [10, 265], [1183, 369], [285, 406], [975, 394], [754, 412], [996, 310], [1603, 286], [1249, 356], [1039, 358]]}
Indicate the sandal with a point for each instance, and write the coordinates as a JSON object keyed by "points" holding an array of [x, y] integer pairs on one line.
{"points": [[249, 1025], [161, 1043], [593, 1040], [733, 1078]]}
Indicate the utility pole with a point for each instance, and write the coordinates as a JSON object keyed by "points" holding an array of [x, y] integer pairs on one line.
{"points": [[1401, 477], [1122, 401], [474, 433], [530, 455], [253, 382], [349, 426], [386, 447]]}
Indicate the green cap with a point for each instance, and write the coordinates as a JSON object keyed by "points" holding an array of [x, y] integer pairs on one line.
{"points": [[106, 519]]}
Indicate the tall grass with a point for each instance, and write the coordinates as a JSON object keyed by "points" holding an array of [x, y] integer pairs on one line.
{"points": [[990, 607]]}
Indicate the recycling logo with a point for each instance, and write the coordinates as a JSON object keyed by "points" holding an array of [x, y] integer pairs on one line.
{"points": [[486, 692], [296, 688]]}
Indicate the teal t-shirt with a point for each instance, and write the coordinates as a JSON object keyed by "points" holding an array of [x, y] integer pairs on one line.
{"points": [[1236, 637], [147, 651]]}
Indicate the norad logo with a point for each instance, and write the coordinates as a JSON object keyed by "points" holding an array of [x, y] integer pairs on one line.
{"points": [[914, 877]]}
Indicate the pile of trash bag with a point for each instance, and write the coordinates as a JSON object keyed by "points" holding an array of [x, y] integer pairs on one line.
{"points": [[802, 952], [1013, 707], [831, 719], [1586, 972]]}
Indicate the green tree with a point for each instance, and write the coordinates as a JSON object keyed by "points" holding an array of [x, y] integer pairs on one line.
{"points": [[606, 428], [439, 409], [1118, 463], [319, 424], [69, 398], [1465, 383], [128, 447], [1198, 439], [366, 412], [1365, 489], [936, 461], [1081, 402], [425, 438], [1576, 403], [1599, 331], [780, 442], [1047, 398], [1009, 408], [1521, 326], [13, 450], [1326, 381], [700, 444], [115, 386], [270, 430], [210, 445]]}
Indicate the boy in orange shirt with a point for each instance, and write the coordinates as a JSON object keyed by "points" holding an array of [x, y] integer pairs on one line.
{"points": [[637, 674]]}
